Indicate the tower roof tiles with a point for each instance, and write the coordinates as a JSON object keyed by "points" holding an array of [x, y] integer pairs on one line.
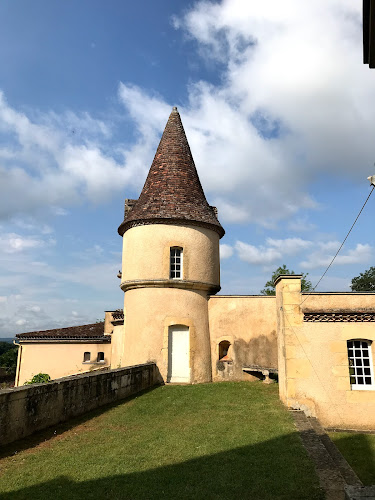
{"points": [[172, 192]]}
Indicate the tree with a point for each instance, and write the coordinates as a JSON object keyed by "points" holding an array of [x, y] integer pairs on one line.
{"points": [[269, 289], [365, 282], [8, 359], [5, 346]]}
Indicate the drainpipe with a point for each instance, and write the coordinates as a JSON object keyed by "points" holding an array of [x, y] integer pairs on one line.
{"points": [[19, 357]]}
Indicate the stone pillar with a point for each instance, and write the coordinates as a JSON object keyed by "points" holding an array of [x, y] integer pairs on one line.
{"points": [[289, 320]]}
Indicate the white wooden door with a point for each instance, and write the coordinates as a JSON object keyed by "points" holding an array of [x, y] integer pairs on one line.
{"points": [[178, 354]]}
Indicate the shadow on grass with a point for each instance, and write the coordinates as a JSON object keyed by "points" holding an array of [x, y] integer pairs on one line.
{"points": [[359, 451], [45, 435], [273, 469]]}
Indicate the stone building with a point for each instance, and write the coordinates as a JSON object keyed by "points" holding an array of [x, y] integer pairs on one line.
{"points": [[321, 344], [170, 276]]}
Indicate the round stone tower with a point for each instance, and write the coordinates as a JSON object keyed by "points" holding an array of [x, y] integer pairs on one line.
{"points": [[170, 265]]}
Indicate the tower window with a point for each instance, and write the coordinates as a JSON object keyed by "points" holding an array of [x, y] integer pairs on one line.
{"points": [[175, 269], [360, 364], [86, 357], [100, 357]]}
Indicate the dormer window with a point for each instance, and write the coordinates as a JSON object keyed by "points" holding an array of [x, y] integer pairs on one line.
{"points": [[175, 269]]}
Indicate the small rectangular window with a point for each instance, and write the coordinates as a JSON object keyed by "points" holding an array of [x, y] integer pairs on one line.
{"points": [[100, 357], [86, 357], [175, 270], [360, 364]]}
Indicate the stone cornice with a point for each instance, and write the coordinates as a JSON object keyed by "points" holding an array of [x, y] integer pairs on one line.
{"points": [[280, 277], [126, 225], [163, 283], [117, 322]]}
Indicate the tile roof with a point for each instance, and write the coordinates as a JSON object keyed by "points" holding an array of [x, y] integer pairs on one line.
{"points": [[83, 332], [118, 314], [172, 191]]}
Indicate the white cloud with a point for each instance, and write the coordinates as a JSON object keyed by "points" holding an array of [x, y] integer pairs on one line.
{"points": [[300, 224], [31, 224], [289, 246], [257, 255], [281, 115], [324, 253], [12, 242], [226, 251], [60, 211], [49, 290], [34, 309], [57, 159], [272, 252]]}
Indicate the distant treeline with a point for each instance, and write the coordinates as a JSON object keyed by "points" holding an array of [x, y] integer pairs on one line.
{"points": [[8, 356]]}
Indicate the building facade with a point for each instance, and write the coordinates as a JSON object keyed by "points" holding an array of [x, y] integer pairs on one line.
{"points": [[321, 344]]}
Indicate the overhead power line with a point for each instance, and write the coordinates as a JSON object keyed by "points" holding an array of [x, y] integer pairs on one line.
{"points": [[372, 180]]}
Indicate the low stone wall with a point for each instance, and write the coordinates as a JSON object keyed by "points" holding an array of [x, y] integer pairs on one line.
{"points": [[27, 409]]}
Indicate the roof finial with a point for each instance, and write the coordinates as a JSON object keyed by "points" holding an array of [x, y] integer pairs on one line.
{"points": [[174, 108]]}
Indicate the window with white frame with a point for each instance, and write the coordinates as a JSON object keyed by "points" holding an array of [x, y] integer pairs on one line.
{"points": [[360, 364], [175, 268]]}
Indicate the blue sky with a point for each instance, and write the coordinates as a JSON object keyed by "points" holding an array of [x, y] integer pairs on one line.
{"points": [[276, 104]]}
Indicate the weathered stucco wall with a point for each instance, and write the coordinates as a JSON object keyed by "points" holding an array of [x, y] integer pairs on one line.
{"points": [[58, 359], [145, 254], [249, 324], [336, 301], [314, 355], [117, 346], [25, 410], [149, 312]]}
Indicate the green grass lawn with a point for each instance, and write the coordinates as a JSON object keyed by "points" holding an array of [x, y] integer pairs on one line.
{"points": [[359, 451], [209, 441]]}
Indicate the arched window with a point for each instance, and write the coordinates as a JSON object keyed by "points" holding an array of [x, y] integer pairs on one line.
{"points": [[360, 364], [223, 349], [175, 268]]}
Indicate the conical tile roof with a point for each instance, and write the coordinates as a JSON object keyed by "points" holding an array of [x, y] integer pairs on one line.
{"points": [[172, 192]]}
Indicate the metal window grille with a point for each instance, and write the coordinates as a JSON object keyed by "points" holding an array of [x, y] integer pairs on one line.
{"points": [[360, 364], [175, 263]]}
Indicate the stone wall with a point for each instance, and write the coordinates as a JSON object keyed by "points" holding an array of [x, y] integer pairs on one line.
{"points": [[25, 410], [248, 323], [313, 332]]}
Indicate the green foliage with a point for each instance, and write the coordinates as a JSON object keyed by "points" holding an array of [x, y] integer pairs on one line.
{"points": [[269, 289], [365, 282], [8, 359], [40, 378], [5, 346]]}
